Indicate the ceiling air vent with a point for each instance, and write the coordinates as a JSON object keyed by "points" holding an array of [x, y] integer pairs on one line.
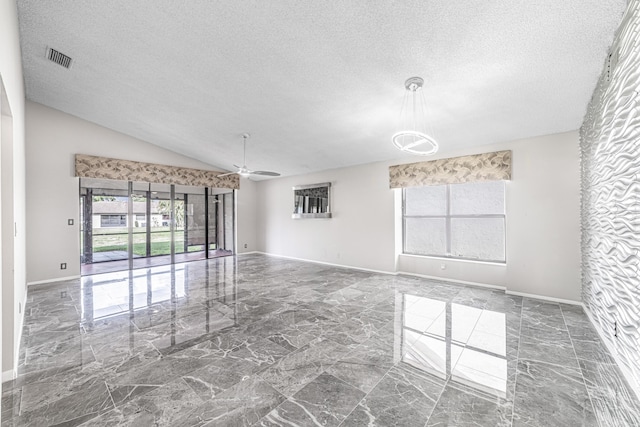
{"points": [[59, 58]]}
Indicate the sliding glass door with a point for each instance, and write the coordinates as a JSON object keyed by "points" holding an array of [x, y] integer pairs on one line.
{"points": [[190, 222], [221, 214], [140, 221], [161, 219], [104, 221], [135, 224]]}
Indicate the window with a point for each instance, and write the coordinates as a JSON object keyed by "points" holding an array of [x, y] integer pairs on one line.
{"points": [[113, 220], [465, 221]]}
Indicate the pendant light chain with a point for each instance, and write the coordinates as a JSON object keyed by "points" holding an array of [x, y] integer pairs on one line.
{"points": [[412, 136]]}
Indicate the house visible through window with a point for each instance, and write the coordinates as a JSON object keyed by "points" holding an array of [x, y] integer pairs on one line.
{"points": [[465, 221], [113, 220]]}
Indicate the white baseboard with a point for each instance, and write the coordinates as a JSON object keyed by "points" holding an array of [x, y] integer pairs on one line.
{"points": [[544, 298], [461, 282], [327, 263], [12, 374], [59, 279], [248, 253], [614, 353], [16, 355], [9, 375]]}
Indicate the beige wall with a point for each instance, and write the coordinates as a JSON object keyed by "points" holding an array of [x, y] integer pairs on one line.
{"points": [[360, 233], [543, 251], [53, 138], [13, 193]]}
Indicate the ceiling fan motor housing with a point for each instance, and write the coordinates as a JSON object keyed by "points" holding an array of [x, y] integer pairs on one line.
{"points": [[243, 170]]}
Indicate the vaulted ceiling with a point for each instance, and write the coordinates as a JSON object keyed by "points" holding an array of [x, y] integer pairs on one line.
{"points": [[318, 84]]}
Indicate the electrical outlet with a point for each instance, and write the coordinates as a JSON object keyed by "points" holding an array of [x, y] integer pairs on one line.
{"points": [[63, 266], [443, 266], [245, 246], [70, 221]]}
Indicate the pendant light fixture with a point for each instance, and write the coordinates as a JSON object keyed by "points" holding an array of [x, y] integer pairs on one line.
{"points": [[413, 136]]}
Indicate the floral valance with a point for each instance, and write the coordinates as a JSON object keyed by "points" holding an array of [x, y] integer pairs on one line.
{"points": [[128, 170], [494, 166]]}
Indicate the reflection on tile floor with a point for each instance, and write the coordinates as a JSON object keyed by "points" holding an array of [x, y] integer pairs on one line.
{"points": [[258, 340], [107, 262]]}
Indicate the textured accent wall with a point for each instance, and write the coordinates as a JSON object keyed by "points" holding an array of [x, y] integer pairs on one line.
{"points": [[494, 166], [610, 164], [128, 170]]}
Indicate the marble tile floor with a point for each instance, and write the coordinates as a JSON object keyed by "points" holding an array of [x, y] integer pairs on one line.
{"points": [[263, 341]]}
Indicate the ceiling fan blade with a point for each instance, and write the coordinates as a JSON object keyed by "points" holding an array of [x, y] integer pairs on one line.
{"points": [[243, 170], [231, 173], [226, 174], [265, 173]]}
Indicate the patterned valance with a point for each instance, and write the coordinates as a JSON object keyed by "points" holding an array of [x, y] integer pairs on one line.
{"points": [[455, 170], [128, 170]]}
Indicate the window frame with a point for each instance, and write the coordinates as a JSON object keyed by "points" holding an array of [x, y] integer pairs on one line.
{"points": [[447, 217], [109, 217]]}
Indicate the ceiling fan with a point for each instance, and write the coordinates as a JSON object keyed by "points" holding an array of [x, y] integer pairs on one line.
{"points": [[243, 171]]}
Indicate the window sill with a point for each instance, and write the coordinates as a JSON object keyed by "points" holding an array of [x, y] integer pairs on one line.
{"points": [[463, 260]]}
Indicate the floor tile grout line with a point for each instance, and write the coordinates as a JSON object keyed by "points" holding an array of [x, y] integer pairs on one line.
{"points": [[584, 381], [435, 405], [20, 403], [546, 363], [186, 384], [447, 377], [113, 402], [515, 380], [366, 394]]}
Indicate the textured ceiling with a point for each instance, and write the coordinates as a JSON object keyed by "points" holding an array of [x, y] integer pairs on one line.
{"points": [[318, 84]]}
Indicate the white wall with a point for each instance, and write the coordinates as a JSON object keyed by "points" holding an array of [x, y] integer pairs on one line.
{"points": [[543, 224], [610, 163], [246, 216], [14, 291], [360, 233], [8, 240], [53, 138], [543, 235]]}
